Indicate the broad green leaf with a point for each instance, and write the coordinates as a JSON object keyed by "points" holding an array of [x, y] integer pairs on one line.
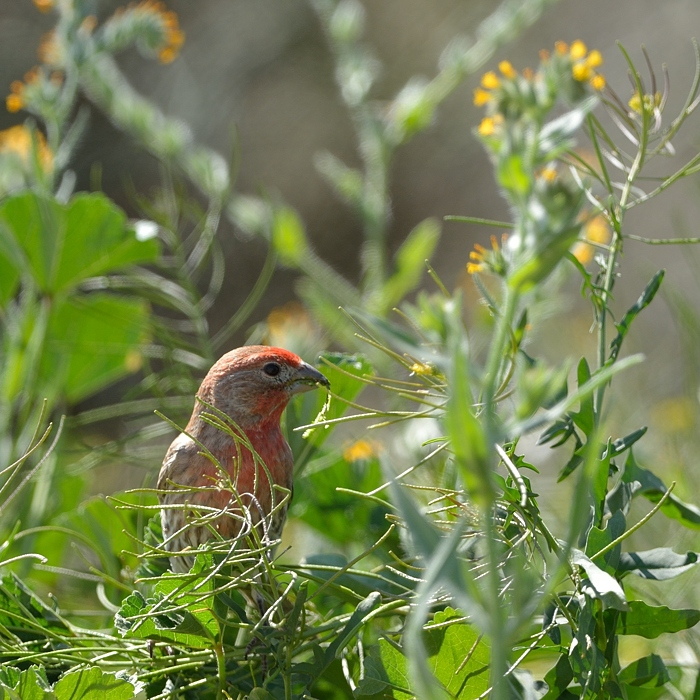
{"points": [[558, 679], [650, 621], [176, 613], [61, 245], [93, 340], [649, 671], [418, 247], [386, 675], [600, 584], [33, 685], [657, 564], [644, 300], [448, 646], [93, 684], [647, 484]]}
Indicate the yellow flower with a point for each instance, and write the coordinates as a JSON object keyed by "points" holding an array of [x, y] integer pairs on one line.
{"points": [[423, 369], [594, 59], [598, 82], [506, 67], [490, 80], [561, 47], [49, 51], [487, 126], [595, 231], [578, 50], [17, 140], [650, 102], [481, 258], [173, 38], [482, 97], [44, 5], [581, 72], [549, 174], [14, 103], [359, 451]]}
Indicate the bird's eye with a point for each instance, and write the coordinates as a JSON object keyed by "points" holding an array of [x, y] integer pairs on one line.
{"points": [[271, 369]]}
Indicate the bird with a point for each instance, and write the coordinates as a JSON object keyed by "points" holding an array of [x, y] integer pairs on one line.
{"points": [[230, 469]]}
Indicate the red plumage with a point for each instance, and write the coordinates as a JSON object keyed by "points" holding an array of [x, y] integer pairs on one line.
{"points": [[251, 386]]}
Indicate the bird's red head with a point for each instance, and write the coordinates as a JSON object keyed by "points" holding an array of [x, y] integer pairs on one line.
{"points": [[253, 384]]}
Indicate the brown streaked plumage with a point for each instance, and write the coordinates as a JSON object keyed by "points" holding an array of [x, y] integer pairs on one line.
{"points": [[252, 386]]}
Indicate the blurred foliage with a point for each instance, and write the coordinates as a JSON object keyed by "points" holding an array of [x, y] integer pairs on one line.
{"points": [[431, 571]]}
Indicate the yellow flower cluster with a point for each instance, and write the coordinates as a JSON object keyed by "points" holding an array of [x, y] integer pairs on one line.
{"points": [[491, 81], [583, 63], [17, 140], [596, 231], [648, 103], [174, 36], [16, 99], [482, 258]]}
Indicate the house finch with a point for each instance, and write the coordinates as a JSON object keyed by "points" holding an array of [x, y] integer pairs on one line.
{"points": [[248, 388]]}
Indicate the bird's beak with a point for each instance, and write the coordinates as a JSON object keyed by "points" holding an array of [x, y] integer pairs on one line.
{"points": [[306, 378]]}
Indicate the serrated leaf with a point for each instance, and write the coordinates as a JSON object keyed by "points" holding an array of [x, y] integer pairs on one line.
{"points": [[92, 684], [650, 621], [176, 613], [61, 245]]}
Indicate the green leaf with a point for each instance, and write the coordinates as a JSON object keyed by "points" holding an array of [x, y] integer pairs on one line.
{"points": [[651, 621], [558, 679], [353, 625], [644, 300], [600, 584], [584, 418], [418, 247], [386, 674], [647, 484], [289, 237], [598, 539], [22, 609], [93, 684], [448, 646], [649, 671], [657, 564], [92, 340], [457, 656], [176, 613], [61, 245], [513, 176]]}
